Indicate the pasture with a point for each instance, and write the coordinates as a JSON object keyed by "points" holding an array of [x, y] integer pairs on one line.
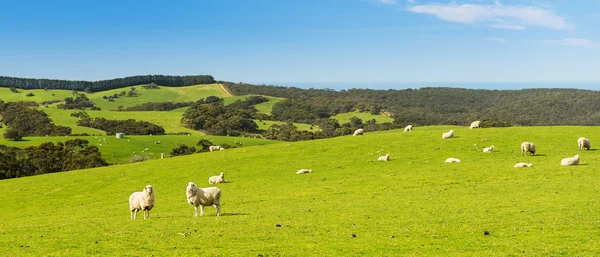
{"points": [[351, 205]]}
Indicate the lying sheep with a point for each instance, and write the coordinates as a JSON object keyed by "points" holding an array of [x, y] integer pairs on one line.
{"points": [[408, 128], [449, 134], [523, 165], [570, 161], [527, 147], [583, 142], [358, 132], [143, 201], [303, 171], [452, 160], [217, 179], [384, 158], [488, 149], [203, 197], [215, 147], [475, 124]]}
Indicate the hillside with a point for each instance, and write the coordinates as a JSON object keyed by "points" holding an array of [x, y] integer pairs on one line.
{"points": [[415, 204]]}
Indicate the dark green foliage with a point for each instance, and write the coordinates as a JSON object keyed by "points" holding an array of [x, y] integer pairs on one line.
{"points": [[81, 102], [287, 132], [22, 120], [29, 94], [48, 158], [103, 85], [204, 144], [215, 118], [129, 127], [157, 106], [151, 86], [183, 150], [14, 90], [81, 114]]}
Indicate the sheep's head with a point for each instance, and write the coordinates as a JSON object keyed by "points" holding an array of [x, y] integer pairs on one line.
{"points": [[149, 190], [190, 187], [222, 175], [577, 156]]}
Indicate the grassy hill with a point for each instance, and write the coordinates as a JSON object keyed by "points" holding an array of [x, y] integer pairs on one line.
{"points": [[351, 205]]}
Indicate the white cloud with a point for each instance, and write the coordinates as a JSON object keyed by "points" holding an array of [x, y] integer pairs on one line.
{"points": [[575, 42], [498, 39], [516, 17], [391, 2], [410, 1]]}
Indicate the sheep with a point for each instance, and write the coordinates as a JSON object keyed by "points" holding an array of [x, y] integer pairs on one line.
{"points": [[527, 147], [384, 158], [358, 132], [217, 179], [303, 171], [583, 142], [215, 147], [523, 165], [452, 160], [449, 134], [488, 149], [475, 124], [143, 201], [570, 161], [408, 128], [203, 197]]}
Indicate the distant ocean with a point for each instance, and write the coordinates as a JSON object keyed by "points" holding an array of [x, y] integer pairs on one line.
{"points": [[468, 85]]}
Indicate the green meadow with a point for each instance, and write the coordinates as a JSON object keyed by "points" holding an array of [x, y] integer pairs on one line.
{"points": [[364, 116], [351, 205]]}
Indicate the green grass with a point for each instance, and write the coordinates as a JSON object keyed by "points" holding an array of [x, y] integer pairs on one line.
{"points": [[40, 95], [266, 107], [414, 204], [365, 116]]}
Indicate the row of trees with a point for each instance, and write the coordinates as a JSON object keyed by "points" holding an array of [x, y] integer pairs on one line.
{"points": [[23, 120], [103, 85], [129, 127], [48, 158], [212, 116], [81, 102], [157, 106]]}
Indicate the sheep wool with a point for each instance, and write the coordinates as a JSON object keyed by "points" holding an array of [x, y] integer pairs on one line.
{"points": [[217, 179], [571, 161], [408, 128], [527, 147], [475, 124], [358, 132], [449, 134], [583, 142], [200, 197], [452, 160], [215, 148], [488, 149], [523, 165], [384, 158], [142, 201], [303, 171]]}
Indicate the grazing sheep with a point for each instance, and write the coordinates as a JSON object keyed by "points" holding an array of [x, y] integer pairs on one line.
{"points": [[384, 158], [583, 142], [203, 197], [475, 124], [488, 149], [215, 147], [143, 201], [570, 161], [358, 132], [449, 134], [527, 147], [217, 179], [303, 171], [452, 160], [408, 128], [523, 165]]}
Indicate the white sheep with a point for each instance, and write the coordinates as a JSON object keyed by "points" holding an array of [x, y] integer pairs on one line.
{"points": [[215, 147], [583, 142], [523, 165], [449, 134], [143, 201], [452, 160], [384, 158], [217, 179], [358, 132], [203, 197], [488, 149], [475, 124], [408, 128], [570, 161], [303, 171], [527, 147]]}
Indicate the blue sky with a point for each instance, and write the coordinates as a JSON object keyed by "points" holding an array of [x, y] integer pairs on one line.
{"points": [[305, 41]]}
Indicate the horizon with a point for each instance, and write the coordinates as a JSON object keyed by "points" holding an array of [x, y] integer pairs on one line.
{"points": [[335, 41]]}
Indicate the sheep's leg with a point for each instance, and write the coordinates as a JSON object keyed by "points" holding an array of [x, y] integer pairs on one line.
{"points": [[196, 211], [134, 212], [201, 210], [218, 206], [148, 212], [131, 214]]}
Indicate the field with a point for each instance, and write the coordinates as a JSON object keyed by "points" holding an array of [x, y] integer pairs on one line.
{"points": [[351, 205], [364, 116]]}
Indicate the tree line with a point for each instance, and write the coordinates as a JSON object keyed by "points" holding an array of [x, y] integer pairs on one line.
{"points": [[103, 85], [23, 120]]}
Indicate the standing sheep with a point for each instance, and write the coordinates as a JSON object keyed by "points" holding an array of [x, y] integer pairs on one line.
{"points": [[358, 132], [408, 128], [488, 149], [203, 197], [522, 165], [143, 201], [583, 142], [527, 147], [570, 161], [303, 171], [449, 134], [384, 158], [217, 179], [475, 124]]}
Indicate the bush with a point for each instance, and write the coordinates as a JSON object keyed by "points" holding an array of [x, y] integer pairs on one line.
{"points": [[183, 150], [29, 94]]}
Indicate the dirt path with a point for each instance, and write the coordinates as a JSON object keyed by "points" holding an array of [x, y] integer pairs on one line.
{"points": [[225, 90]]}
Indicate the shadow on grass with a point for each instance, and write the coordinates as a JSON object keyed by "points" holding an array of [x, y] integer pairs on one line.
{"points": [[234, 214]]}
